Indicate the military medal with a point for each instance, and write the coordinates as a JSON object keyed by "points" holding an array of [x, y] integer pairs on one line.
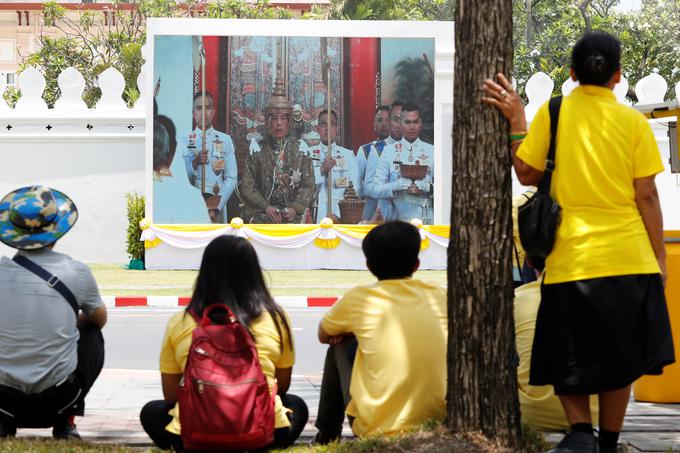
{"points": [[295, 178], [218, 148]]}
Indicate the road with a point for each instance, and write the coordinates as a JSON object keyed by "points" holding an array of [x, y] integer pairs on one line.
{"points": [[133, 338]]}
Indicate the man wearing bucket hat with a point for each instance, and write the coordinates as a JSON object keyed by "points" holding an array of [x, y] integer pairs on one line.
{"points": [[50, 355]]}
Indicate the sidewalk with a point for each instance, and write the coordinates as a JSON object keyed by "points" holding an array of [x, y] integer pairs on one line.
{"points": [[114, 403]]}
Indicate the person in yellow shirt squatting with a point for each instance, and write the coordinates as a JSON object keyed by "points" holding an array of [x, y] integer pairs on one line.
{"points": [[386, 364]]}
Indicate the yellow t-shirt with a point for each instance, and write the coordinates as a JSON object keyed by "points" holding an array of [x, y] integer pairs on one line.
{"points": [[399, 372], [538, 405], [175, 349], [602, 146]]}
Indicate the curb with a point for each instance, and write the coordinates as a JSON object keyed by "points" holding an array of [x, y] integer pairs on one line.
{"points": [[180, 301]]}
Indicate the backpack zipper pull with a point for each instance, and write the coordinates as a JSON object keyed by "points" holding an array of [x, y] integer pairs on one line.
{"points": [[201, 387]]}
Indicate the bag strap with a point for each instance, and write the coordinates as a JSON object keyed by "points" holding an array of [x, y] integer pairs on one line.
{"points": [[554, 108], [519, 265], [51, 279]]}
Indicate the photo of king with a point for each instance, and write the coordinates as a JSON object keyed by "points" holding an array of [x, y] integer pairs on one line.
{"points": [[278, 183]]}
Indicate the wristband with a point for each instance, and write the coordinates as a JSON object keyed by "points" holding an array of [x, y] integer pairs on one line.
{"points": [[515, 136]]}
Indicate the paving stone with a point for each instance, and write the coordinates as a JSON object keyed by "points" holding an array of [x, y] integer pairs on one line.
{"points": [[113, 405], [653, 442]]}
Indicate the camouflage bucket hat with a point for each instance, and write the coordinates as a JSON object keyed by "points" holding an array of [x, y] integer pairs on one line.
{"points": [[34, 217]]}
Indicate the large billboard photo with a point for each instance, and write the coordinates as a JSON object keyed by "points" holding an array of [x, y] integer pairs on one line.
{"points": [[242, 126]]}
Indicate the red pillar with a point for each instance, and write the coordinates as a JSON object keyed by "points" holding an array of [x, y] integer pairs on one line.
{"points": [[211, 44], [362, 66]]}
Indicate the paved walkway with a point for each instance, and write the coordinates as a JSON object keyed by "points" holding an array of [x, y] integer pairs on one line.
{"points": [[114, 403]]}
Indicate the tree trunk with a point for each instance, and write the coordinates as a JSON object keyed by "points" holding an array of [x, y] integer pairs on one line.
{"points": [[482, 379]]}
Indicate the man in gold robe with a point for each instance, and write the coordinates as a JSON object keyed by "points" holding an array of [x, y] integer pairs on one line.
{"points": [[278, 181]]}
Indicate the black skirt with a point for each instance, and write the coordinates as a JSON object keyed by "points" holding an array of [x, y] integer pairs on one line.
{"points": [[600, 334]]}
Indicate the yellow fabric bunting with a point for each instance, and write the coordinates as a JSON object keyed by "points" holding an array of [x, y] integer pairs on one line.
{"points": [[327, 243]]}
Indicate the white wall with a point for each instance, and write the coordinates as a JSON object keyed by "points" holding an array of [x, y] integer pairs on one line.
{"points": [[95, 172]]}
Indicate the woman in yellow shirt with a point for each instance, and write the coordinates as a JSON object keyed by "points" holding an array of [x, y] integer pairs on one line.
{"points": [[602, 322], [230, 273]]}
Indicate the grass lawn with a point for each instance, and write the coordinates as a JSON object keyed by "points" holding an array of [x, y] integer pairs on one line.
{"points": [[53, 446], [113, 280], [430, 439]]}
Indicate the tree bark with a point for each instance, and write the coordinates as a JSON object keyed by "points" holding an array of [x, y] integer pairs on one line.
{"points": [[482, 374]]}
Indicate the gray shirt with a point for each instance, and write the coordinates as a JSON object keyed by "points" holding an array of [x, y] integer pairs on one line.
{"points": [[38, 334]]}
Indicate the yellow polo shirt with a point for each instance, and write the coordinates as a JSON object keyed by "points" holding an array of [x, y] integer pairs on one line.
{"points": [[399, 372], [602, 146], [539, 406], [177, 340]]}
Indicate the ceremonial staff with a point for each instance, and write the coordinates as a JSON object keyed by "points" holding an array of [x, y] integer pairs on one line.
{"points": [[204, 135], [326, 76]]}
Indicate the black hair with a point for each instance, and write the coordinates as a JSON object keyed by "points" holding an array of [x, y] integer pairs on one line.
{"points": [[170, 129], [396, 104], [382, 108], [325, 112], [230, 274], [392, 249], [536, 262], [410, 107], [595, 58], [161, 145], [208, 94]]}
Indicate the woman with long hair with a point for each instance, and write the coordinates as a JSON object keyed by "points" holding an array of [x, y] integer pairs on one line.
{"points": [[230, 274], [602, 322]]}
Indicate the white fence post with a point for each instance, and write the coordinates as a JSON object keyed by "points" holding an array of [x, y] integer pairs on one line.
{"points": [[651, 89], [32, 85], [71, 84], [112, 84]]}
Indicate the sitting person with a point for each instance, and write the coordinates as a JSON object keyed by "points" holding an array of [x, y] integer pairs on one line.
{"points": [[539, 406], [51, 354], [399, 328], [230, 273]]}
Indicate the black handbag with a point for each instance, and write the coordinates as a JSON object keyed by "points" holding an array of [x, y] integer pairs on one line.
{"points": [[539, 217]]}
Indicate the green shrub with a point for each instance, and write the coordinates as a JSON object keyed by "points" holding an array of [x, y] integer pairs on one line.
{"points": [[135, 213]]}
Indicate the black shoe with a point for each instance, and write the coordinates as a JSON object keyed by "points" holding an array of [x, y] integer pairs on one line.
{"points": [[617, 449], [7, 430], [577, 442], [65, 429], [322, 438]]}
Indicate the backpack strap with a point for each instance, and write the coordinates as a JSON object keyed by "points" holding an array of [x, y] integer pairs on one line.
{"points": [[51, 279], [554, 108]]}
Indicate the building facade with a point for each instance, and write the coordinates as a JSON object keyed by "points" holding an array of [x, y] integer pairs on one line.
{"points": [[22, 23]]}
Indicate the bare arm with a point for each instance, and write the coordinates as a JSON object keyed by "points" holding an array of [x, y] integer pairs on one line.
{"points": [[98, 317], [283, 376], [647, 199], [169, 384], [502, 96]]}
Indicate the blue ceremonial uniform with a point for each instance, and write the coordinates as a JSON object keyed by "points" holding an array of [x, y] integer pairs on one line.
{"points": [[368, 156], [221, 171], [344, 172], [390, 187]]}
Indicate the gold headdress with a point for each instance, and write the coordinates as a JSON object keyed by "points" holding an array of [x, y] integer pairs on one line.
{"points": [[278, 102]]}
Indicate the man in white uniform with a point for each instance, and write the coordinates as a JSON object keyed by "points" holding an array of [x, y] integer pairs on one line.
{"points": [[409, 199], [218, 157], [381, 126], [372, 159], [340, 164]]}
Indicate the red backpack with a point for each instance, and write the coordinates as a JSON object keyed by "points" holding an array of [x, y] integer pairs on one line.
{"points": [[224, 400]]}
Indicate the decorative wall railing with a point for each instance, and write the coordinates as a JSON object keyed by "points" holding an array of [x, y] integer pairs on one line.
{"points": [[649, 90]]}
